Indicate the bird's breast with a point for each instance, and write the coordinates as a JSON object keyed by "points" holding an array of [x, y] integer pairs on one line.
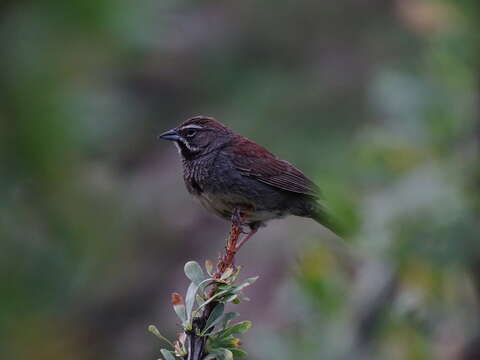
{"points": [[221, 189]]}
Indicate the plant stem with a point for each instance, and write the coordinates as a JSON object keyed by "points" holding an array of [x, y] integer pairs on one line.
{"points": [[196, 343]]}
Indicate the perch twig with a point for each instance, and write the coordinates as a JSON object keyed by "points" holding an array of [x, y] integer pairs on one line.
{"points": [[196, 343]]}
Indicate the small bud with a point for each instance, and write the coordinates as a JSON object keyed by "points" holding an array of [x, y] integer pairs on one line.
{"points": [[177, 299], [153, 329], [209, 267], [235, 342]]}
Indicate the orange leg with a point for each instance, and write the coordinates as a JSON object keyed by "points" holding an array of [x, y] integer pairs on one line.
{"points": [[246, 238]]}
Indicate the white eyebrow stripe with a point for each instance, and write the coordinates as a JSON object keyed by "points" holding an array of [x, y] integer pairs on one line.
{"points": [[192, 126]]}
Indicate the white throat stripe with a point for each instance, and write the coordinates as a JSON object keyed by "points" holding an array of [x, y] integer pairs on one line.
{"points": [[187, 145]]}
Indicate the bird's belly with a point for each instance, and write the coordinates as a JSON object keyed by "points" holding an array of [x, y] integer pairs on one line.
{"points": [[217, 204], [224, 205], [264, 215]]}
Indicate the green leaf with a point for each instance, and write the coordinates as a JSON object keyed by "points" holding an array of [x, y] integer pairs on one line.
{"points": [[203, 285], [215, 317], [191, 296], [181, 312], [216, 341], [238, 352], [153, 329], [238, 328], [222, 354], [190, 300], [227, 354], [200, 300], [227, 273], [214, 297], [242, 298], [224, 321], [235, 274], [227, 317], [231, 298], [167, 354], [246, 283], [194, 272]]}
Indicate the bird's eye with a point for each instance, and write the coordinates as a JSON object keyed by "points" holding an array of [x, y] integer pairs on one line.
{"points": [[191, 133]]}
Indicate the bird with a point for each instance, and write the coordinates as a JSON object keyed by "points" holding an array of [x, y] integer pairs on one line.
{"points": [[241, 181]]}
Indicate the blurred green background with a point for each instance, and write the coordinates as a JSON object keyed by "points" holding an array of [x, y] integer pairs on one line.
{"points": [[377, 100]]}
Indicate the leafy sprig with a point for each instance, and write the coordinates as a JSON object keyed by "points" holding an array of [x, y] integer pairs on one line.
{"points": [[215, 291]]}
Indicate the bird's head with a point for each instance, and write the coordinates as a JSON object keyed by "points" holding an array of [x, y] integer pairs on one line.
{"points": [[198, 136]]}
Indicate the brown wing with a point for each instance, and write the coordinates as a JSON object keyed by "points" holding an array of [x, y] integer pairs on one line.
{"points": [[255, 161]]}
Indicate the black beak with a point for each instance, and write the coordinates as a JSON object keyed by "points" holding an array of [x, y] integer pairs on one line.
{"points": [[169, 135]]}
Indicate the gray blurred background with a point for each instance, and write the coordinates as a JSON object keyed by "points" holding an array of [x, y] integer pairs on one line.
{"points": [[376, 100]]}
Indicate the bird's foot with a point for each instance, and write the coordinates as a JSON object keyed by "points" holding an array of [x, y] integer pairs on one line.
{"points": [[238, 218]]}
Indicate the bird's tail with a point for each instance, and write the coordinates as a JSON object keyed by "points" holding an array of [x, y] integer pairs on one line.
{"points": [[325, 217], [340, 247]]}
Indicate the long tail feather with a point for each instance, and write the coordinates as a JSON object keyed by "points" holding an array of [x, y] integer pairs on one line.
{"points": [[325, 218]]}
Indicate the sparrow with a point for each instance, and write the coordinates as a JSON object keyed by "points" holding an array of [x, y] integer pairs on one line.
{"points": [[239, 180]]}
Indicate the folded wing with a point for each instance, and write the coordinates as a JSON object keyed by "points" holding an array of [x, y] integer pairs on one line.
{"points": [[255, 161]]}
